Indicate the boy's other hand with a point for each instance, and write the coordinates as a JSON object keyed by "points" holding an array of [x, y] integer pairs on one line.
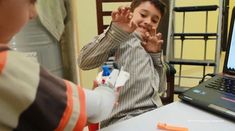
{"points": [[122, 18], [152, 42]]}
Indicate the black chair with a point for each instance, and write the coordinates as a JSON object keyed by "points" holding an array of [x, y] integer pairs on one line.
{"points": [[170, 84]]}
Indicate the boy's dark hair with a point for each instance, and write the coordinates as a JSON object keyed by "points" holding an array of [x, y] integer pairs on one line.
{"points": [[159, 4]]}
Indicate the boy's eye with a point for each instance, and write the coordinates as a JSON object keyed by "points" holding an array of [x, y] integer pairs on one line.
{"points": [[143, 15], [155, 21]]}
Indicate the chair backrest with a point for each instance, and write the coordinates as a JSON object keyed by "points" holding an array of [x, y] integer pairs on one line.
{"points": [[170, 84]]}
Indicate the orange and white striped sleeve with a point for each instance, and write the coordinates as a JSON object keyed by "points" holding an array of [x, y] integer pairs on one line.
{"points": [[33, 99]]}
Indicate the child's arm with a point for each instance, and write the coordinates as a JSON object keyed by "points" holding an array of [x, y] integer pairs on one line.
{"points": [[160, 68], [153, 45], [96, 52], [33, 99]]}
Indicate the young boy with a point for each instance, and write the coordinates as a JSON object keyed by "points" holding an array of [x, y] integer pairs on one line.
{"points": [[133, 40], [32, 99]]}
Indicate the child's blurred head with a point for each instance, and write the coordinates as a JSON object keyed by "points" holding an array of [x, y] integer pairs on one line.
{"points": [[14, 14], [158, 4], [147, 14]]}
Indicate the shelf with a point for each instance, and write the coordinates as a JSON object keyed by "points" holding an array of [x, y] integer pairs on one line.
{"points": [[195, 36], [193, 62], [182, 38], [195, 8]]}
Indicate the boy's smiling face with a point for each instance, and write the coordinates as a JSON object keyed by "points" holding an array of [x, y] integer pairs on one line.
{"points": [[14, 14], [146, 16]]}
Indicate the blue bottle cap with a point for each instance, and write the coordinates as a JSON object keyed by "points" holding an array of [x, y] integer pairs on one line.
{"points": [[106, 71]]}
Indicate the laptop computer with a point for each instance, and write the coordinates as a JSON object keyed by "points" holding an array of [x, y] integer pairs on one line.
{"points": [[217, 94]]}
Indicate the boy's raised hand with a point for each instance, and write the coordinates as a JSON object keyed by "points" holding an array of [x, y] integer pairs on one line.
{"points": [[122, 18], [152, 42]]}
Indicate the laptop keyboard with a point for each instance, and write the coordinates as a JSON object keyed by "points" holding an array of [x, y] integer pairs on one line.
{"points": [[223, 84]]}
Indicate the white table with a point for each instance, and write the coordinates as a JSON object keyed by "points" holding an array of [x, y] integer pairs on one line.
{"points": [[176, 113]]}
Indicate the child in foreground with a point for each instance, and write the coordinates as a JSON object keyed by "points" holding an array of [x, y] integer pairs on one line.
{"points": [[32, 99]]}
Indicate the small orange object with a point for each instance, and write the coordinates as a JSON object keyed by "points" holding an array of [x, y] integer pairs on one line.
{"points": [[168, 127]]}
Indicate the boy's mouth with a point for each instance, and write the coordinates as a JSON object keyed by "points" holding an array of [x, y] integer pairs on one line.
{"points": [[143, 29]]}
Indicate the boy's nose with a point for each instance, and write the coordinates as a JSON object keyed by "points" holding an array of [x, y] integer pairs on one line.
{"points": [[147, 21]]}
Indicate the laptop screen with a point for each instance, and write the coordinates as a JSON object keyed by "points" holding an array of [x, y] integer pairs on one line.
{"points": [[229, 65]]}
